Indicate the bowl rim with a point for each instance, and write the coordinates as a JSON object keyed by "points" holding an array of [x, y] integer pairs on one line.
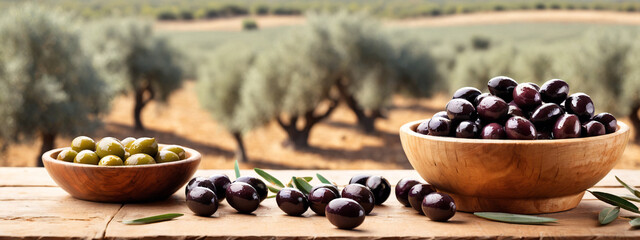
{"points": [[193, 156], [407, 128]]}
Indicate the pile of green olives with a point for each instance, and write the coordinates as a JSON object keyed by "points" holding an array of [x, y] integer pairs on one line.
{"points": [[110, 151]]}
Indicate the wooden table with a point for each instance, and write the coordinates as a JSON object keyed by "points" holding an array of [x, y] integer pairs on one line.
{"points": [[32, 206]]}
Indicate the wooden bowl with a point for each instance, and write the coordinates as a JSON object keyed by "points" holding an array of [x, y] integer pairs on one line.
{"points": [[516, 176], [121, 184]]}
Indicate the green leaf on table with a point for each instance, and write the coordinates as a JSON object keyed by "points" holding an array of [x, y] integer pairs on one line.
{"points": [[307, 179], [268, 177], [237, 169], [631, 198], [607, 215], [631, 189], [272, 196], [615, 201], [635, 223], [273, 189], [152, 219], [323, 179], [301, 185], [290, 184], [514, 218]]}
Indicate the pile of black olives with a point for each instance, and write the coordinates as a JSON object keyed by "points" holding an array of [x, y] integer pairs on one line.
{"points": [[204, 194], [425, 200], [522, 111], [110, 151]]}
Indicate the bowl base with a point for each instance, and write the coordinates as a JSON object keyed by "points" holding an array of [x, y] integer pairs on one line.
{"points": [[522, 206]]}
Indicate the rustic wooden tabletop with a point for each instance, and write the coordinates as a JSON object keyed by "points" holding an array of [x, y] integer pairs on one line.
{"points": [[32, 206]]}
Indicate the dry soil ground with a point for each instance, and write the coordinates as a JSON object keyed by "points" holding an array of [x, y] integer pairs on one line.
{"points": [[337, 143]]}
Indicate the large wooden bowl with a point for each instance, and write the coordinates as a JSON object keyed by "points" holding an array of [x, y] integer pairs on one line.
{"points": [[121, 184], [516, 176]]}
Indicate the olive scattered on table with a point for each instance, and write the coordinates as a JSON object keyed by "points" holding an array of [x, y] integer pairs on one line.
{"points": [[202, 201], [417, 193], [345, 213], [292, 201], [360, 194], [402, 190], [438, 206], [319, 198], [242, 197], [256, 183], [380, 188]]}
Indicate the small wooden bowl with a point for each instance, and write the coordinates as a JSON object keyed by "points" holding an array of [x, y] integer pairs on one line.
{"points": [[121, 184], [516, 176]]}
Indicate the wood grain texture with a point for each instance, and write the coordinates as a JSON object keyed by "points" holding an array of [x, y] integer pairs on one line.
{"points": [[121, 184], [518, 176]]}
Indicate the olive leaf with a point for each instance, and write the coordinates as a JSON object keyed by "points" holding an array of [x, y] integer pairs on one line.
{"points": [[607, 215], [323, 179], [631, 189], [307, 179], [272, 196], [152, 219], [301, 184], [237, 169], [615, 201], [514, 218], [635, 223], [631, 198], [273, 189], [271, 179]]}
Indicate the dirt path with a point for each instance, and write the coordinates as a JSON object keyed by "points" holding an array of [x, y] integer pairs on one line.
{"points": [[578, 16]]}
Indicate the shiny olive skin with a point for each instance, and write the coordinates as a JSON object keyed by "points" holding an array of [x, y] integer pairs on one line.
{"points": [[242, 197], [359, 179], [554, 91], [567, 126], [144, 145], [581, 105], [493, 131], [502, 87], [545, 116], [345, 213], [438, 207], [593, 128], [67, 155], [319, 199], [514, 110], [544, 134], [182, 154], [83, 143], [439, 126], [492, 109], [201, 182], [479, 99], [468, 129], [467, 93], [109, 146], [292, 201], [86, 157], [380, 188], [520, 128], [533, 85], [423, 127], [526, 96], [127, 142], [256, 183], [328, 186], [417, 193], [139, 159], [202, 201], [221, 182], [442, 114], [166, 156], [111, 160], [609, 121], [360, 194], [402, 190], [460, 110]]}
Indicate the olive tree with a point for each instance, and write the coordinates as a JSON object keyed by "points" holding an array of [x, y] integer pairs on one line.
{"points": [[47, 87], [132, 60], [221, 79], [475, 68], [631, 89]]}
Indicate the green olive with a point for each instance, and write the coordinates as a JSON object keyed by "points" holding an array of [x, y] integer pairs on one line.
{"points": [[83, 143], [176, 149], [86, 157], [111, 160], [139, 159], [110, 146], [127, 141], [144, 145], [166, 156], [126, 155], [67, 155]]}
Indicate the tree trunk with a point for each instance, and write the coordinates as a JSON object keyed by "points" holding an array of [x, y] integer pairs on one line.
{"points": [[366, 122], [299, 138], [48, 140], [140, 102], [635, 121], [241, 152]]}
